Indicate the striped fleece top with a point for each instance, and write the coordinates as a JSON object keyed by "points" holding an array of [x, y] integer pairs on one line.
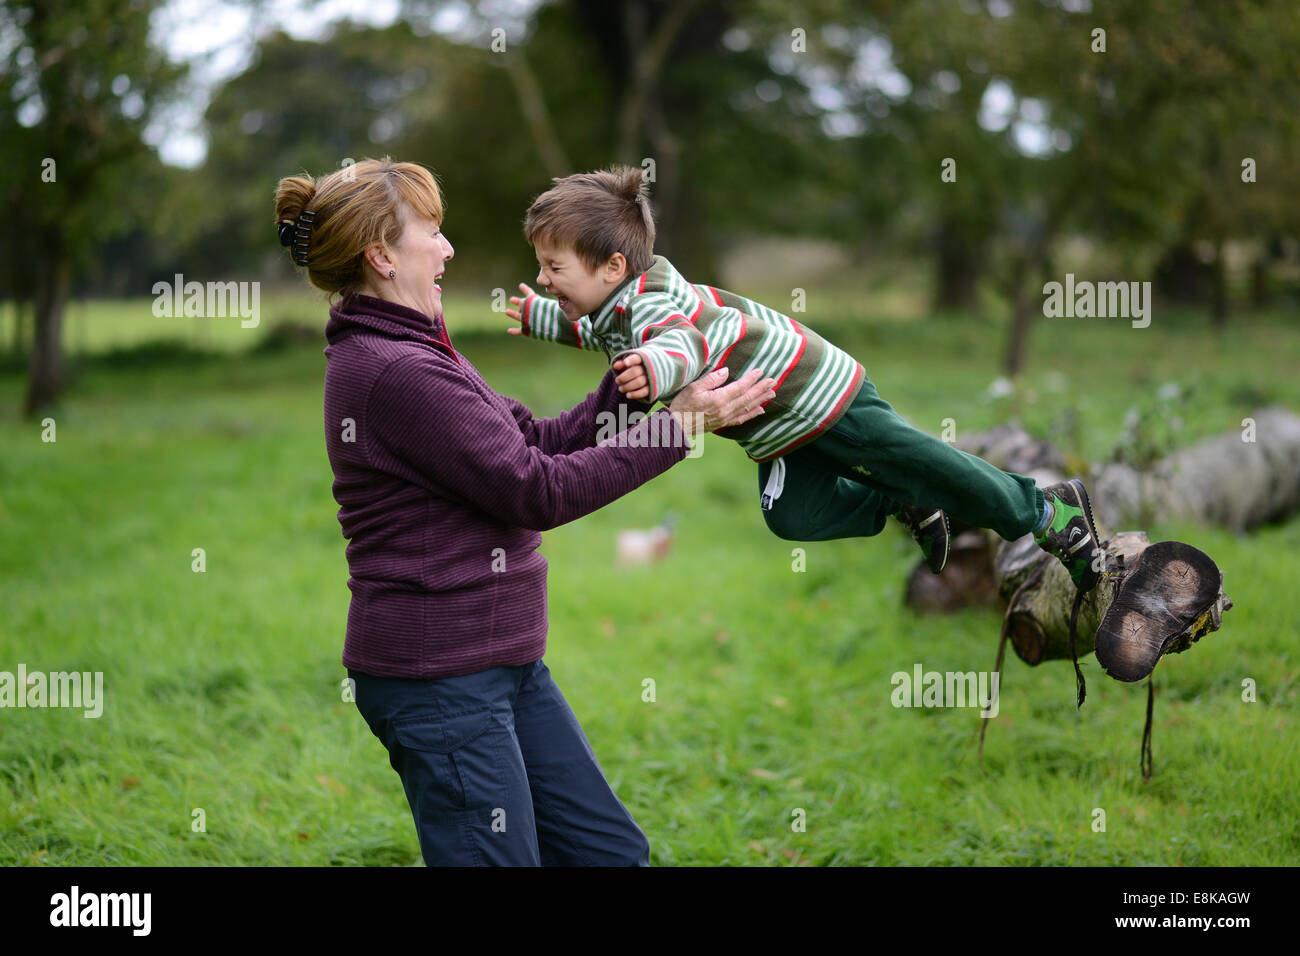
{"points": [[443, 485], [683, 331]]}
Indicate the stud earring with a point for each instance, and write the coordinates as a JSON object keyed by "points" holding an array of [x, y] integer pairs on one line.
{"points": [[392, 273]]}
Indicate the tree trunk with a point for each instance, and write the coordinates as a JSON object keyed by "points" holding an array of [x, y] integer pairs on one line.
{"points": [[642, 120], [20, 320], [1219, 288], [536, 116], [957, 266], [1259, 284], [1021, 318], [636, 40], [1179, 276], [1239, 480], [45, 370]]}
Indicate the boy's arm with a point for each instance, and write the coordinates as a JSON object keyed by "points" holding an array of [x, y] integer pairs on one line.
{"points": [[672, 350], [541, 318]]}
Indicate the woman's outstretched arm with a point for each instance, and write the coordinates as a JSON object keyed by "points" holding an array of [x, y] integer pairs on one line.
{"points": [[425, 422], [595, 417]]}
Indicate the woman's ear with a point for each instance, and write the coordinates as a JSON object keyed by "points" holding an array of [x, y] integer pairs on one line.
{"points": [[380, 260]]}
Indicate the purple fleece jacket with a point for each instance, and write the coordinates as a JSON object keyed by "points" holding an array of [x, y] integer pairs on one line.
{"points": [[443, 486]]}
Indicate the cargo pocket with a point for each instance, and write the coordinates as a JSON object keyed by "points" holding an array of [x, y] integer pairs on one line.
{"points": [[846, 436], [459, 753]]}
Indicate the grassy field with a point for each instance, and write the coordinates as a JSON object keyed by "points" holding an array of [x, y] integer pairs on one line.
{"points": [[222, 688], [104, 326]]}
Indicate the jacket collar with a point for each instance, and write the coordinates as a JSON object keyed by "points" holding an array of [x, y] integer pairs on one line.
{"points": [[602, 320], [358, 313]]}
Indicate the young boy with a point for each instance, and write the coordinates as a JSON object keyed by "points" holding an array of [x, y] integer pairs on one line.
{"points": [[834, 458]]}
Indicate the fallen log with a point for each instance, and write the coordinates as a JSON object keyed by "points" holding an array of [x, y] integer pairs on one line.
{"points": [[1240, 480], [1151, 599]]}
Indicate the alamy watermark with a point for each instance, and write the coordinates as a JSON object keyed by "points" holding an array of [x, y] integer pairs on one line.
{"points": [[56, 689], [621, 430], [924, 688], [75, 908], [1102, 300], [210, 300]]}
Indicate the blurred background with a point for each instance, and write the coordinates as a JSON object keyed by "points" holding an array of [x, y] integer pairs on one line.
{"points": [[908, 174], [792, 145]]}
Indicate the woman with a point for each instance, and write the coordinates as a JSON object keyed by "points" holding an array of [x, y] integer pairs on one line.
{"points": [[443, 486]]}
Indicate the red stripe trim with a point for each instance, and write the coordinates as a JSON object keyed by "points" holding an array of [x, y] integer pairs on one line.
{"points": [[699, 307], [654, 382], [857, 377], [676, 315], [523, 318], [803, 344], [743, 326], [576, 335], [714, 292], [640, 286], [443, 340]]}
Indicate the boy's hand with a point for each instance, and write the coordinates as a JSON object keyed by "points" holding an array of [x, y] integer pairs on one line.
{"points": [[519, 304], [633, 382]]}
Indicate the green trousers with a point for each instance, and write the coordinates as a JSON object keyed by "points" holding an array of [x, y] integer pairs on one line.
{"points": [[850, 479]]}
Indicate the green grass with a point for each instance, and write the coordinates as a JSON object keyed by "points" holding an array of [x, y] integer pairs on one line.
{"points": [[772, 687], [105, 325]]}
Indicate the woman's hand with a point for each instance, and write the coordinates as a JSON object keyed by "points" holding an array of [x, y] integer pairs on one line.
{"points": [[707, 405]]}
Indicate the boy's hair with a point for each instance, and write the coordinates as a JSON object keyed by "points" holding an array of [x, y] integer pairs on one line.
{"points": [[597, 214]]}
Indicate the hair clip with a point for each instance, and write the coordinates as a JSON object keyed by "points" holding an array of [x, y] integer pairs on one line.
{"points": [[298, 235], [302, 236]]}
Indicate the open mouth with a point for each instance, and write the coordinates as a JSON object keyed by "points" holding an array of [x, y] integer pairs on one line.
{"points": [[436, 284]]}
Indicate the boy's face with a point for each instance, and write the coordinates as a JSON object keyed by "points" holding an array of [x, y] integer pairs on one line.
{"points": [[578, 289]]}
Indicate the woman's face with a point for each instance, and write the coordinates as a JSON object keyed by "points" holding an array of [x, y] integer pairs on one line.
{"points": [[419, 258]]}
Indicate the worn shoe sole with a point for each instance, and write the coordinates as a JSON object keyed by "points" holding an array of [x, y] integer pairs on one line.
{"points": [[1171, 586]]}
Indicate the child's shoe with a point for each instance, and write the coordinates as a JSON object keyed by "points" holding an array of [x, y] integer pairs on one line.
{"points": [[1071, 535], [929, 527]]}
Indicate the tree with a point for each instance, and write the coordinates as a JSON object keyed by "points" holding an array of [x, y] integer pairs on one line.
{"points": [[655, 82], [313, 106], [1126, 123], [1138, 116], [79, 80]]}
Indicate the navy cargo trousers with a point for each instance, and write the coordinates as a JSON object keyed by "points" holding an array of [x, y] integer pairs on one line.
{"points": [[498, 772]]}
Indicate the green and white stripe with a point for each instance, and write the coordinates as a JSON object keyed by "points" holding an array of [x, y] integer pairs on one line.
{"points": [[548, 323], [812, 396]]}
